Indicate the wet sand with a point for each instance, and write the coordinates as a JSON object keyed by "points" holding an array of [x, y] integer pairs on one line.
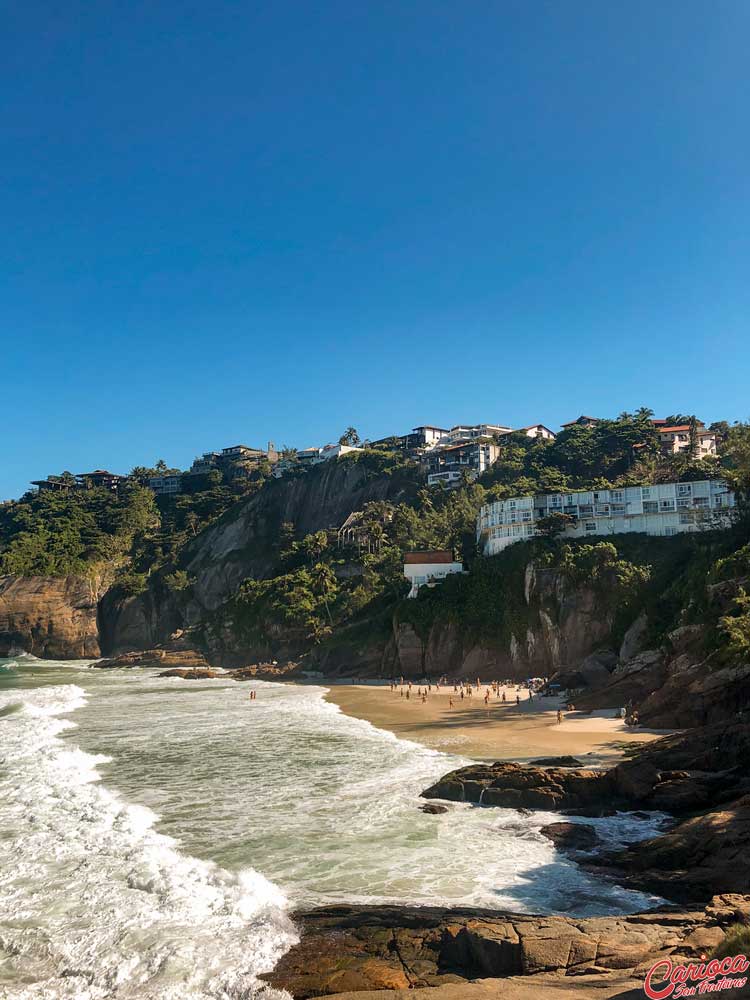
{"points": [[494, 732]]}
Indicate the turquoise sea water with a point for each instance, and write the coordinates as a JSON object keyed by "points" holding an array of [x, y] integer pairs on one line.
{"points": [[156, 833]]}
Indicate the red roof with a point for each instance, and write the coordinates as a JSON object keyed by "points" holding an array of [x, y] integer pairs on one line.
{"points": [[433, 556], [669, 430]]}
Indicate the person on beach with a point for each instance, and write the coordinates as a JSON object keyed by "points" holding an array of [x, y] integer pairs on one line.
{"points": [[559, 716], [407, 694], [518, 700], [462, 694], [450, 703], [504, 698]]}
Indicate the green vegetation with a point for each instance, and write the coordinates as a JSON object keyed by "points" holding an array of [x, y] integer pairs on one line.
{"points": [[54, 534], [320, 591], [737, 942]]}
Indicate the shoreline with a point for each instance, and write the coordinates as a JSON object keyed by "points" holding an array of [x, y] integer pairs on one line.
{"points": [[497, 731]]}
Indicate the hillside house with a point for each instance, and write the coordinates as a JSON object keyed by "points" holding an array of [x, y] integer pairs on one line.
{"points": [[582, 421], [428, 568], [447, 466], [163, 486], [675, 439], [101, 479], [334, 451], [537, 431], [473, 432]]}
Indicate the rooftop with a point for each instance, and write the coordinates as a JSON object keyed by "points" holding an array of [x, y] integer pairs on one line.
{"points": [[429, 556]]}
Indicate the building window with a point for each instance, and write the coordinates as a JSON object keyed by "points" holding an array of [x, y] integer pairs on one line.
{"points": [[685, 518], [670, 531], [666, 505], [645, 491], [684, 489], [590, 526], [617, 496], [650, 507]]}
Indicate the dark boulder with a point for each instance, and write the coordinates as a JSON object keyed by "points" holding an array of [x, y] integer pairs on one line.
{"points": [[571, 836]]}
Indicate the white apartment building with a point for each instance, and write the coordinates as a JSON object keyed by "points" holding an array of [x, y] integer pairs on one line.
{"points": [[663, 509]]}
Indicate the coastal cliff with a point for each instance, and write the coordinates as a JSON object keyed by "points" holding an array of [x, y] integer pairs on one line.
{"points": [[244, 543], [54, 617], [555, 625]]}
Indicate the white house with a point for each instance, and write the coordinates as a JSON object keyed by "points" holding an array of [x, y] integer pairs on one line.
{"points": [[537, 431], [425, 569], [334, 451], [663, 509], [449, 466], [675, 439]]}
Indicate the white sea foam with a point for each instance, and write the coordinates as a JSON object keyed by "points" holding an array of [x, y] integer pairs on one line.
{"points": [[94, 902]]}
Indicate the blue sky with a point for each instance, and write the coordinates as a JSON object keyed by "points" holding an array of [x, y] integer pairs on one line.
{"points": [[235, 222]]}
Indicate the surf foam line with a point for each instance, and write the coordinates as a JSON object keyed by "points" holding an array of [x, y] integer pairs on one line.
{"points": [[94, 903]]}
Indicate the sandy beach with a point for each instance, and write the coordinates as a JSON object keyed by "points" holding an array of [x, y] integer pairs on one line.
{"points": [[498, 731]]}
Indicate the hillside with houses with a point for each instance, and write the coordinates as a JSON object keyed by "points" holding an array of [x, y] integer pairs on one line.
{"points": [[391, 555]]}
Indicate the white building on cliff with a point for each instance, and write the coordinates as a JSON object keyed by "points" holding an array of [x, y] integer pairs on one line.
{"points": [[663, 509]]}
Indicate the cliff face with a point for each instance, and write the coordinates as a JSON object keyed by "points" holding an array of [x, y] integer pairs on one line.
{"points": [[243, 543], [565, 625], [50, 617]]}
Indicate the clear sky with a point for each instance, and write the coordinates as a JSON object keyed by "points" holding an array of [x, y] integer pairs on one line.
{"points": [[232, 222]]}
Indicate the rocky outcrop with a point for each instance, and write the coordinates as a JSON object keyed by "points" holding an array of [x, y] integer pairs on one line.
{"points": [[358, 948], [698, 858], [522, 786], [703, 775], [175, 656], [678, 774], [197, 674], [53, 617]]}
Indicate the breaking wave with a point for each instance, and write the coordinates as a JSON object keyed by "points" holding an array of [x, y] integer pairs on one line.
{"points": [[94, 902]]}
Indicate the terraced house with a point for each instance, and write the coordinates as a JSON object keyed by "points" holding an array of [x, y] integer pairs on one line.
{"points": [[663, 509]]}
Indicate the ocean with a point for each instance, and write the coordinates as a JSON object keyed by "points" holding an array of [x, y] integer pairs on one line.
{"points": [[156, 833]]}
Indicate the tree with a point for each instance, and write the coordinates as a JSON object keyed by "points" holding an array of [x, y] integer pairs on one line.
{"points": [[314, 545], [736, 626], [350, 437], [554, 524], [325, 586]]}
